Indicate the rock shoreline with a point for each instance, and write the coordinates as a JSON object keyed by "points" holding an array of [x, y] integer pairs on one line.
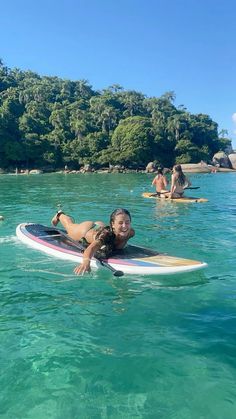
{"points": [[201, 167], [186, 169]]}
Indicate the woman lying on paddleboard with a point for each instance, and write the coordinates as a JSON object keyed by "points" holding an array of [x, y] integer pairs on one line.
{"points": [[96, 236], [178, 183]]}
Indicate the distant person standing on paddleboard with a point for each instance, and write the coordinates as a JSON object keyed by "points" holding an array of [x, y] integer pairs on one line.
{"points": [[178, 183], [160, 182], [96, 236]]}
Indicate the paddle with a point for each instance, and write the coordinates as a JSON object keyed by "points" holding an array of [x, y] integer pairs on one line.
{"points": [[81, 248], [163, 193]]}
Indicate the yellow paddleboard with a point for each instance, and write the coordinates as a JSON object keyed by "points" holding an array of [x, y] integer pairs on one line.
{"points": [[184, 199]]}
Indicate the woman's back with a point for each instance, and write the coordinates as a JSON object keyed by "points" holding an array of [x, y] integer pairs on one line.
{"points": [[160, 181]]}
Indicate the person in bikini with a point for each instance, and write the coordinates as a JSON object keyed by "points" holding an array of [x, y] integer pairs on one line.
{"points": [[160, 182], [178, 183], [97, 236]]}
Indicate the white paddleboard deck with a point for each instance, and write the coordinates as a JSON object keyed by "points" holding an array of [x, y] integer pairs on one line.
{"points": [[131, 260]]}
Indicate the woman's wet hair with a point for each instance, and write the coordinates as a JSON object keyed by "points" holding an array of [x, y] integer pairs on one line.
{"points": [[119, 211], [181, 177], [178, 168], [106, 235]]}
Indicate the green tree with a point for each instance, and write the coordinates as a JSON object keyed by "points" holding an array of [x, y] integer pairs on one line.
{"points": [[132, 142], [133, 103], [187, 152], [48, 119]]}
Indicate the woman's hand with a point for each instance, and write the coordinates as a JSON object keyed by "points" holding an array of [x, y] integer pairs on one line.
{"points": [[88, 254], [83, 267]]}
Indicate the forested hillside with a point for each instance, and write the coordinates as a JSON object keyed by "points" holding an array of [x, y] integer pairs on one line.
{"points": [[48, 122]]}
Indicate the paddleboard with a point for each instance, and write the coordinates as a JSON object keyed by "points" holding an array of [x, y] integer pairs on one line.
{"points": [[184, 199], [131, 260]]}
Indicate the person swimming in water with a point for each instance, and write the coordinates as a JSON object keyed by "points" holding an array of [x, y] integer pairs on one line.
{"points": [[97, 236]]}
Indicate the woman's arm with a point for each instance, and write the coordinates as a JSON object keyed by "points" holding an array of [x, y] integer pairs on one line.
{"points": [[173, 185], [87, 255]]}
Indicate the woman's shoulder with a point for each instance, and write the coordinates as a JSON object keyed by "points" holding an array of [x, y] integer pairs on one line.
{"points": [[132, 233]]}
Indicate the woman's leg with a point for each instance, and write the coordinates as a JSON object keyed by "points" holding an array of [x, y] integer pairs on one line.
{"points": [[75, 231]]}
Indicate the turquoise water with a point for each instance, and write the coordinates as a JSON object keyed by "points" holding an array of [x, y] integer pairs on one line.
{"points": [[132, 347]]}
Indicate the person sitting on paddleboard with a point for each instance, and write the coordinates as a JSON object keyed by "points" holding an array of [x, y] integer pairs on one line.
{"points": [[178, 183], [160, 182], [97, 236]]}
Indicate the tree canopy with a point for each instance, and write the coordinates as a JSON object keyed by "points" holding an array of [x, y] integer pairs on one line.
{"points": [[49, 122]]}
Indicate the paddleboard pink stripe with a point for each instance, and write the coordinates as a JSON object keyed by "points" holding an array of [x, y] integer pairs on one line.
{"points": [[126, 262]]}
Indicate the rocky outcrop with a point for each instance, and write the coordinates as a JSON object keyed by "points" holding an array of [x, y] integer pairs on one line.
{"points": [[228, 149], [150, 168], [201, 167], [118, 168], [222, 160], [232, 159], [87, 169], [35, 172]]}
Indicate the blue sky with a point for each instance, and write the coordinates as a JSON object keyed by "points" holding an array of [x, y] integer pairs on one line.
{"points": [[152, 46]]}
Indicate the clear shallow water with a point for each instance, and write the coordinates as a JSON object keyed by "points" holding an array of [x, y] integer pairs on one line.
{"points": [[132, 347]]}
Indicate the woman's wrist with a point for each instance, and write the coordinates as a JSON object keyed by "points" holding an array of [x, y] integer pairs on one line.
{"points": [[86, 258]]}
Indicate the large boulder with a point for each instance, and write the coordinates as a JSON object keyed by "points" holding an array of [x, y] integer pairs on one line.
{"points": [[232, 159], [201, 167], [35, 172], [87, 168], [228, 149], [150, 168], [221, 159]]}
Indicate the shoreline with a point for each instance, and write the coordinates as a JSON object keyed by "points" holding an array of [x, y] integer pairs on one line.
{"points": [[201, 167], [108, 171]]}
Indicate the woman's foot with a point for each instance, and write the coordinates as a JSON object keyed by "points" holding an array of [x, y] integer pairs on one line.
{"points": [[56, 218]]}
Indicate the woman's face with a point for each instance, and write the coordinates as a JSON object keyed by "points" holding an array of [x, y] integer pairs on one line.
{"points": [[121, 225]]}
